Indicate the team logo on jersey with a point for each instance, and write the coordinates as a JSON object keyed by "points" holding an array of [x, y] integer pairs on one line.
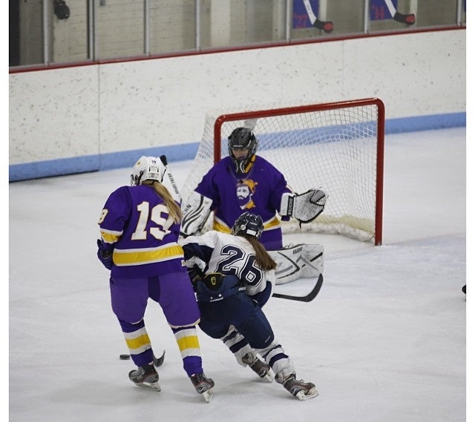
{"points": [[244, 191]]}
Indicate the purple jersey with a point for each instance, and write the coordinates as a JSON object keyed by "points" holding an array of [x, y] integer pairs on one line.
{"points": [[136, 221], [259, 191]]}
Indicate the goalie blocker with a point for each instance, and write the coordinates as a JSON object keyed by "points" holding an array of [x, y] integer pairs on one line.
{"points": [[195, 214], [299, 261]]}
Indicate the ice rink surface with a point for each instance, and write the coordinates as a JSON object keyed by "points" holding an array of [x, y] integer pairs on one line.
{"points": [[384, 341]]}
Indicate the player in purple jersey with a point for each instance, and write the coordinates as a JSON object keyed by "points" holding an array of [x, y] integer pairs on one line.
{"points": [[139, 227], [233, 276], [244, 181]]}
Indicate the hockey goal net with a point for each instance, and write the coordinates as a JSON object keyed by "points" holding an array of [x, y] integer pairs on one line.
{"points": [[338, 147]]}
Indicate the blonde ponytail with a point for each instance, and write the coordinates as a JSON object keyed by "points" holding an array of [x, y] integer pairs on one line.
{"points": [[173, 208]]}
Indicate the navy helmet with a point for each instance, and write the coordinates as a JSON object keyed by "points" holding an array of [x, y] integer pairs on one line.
{"points": [[250, 224]]}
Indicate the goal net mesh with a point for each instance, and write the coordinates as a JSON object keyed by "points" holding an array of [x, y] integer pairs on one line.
{"points": [[337, 147]]}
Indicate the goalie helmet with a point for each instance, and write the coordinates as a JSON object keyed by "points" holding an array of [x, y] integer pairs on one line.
{"points": [[242, 138], [249, 224], [147, 168]]}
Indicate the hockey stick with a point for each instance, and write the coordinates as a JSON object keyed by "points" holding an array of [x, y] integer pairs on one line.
{"points": [[156, 361], [170, 183], [308, 298], [159, 362]]}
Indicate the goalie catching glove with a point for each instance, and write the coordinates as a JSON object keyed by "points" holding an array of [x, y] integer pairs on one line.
{"points": [[305, 207]]}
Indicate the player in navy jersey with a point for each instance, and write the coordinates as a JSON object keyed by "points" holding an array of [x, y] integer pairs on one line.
{"points": [[244, 181], [233, 275], [139, 227]]}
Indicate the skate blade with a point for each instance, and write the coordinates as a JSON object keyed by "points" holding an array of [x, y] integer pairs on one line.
{"points": [[154, 386], [208, 395], [310, 394], [268, 377]]}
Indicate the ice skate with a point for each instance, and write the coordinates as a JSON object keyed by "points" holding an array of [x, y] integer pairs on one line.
{"points": [[260, 367], [145, 376], [203, 385], [300, 389]]}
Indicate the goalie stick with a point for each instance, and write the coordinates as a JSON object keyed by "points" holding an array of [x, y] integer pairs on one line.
{"points": [[308, 298]]}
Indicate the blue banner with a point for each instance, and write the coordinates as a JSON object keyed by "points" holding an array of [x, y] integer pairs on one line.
{"points": [[380, 10], [301, 16]]}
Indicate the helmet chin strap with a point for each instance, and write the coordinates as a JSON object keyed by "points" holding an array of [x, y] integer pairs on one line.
{"points": [[243, 166], [240, 166]]}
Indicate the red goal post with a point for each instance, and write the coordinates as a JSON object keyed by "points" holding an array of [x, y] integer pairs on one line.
{"points": [[338, 147]]}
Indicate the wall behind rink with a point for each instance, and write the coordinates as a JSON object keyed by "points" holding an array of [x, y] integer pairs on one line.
{"points": [[104, 116]]}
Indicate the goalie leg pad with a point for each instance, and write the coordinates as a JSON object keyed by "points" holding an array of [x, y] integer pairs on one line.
{"points": [[312, 261], [299, 261]]}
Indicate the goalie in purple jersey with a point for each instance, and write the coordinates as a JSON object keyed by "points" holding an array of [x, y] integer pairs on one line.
{"points": [[139, 227], [244, 181], [233, 275]]}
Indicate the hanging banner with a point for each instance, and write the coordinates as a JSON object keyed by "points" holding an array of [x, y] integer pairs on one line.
{"points": [[380, 9], [305, 12]]}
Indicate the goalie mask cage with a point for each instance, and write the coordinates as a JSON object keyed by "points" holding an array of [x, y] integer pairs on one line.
{"points": [[338, 147]]}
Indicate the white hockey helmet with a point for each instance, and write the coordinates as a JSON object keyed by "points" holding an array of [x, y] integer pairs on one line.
{"points": [[148, 168]]}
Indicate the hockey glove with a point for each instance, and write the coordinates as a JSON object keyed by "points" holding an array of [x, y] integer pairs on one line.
{"points": [[305, 207], [195, 274], [104, 253]]}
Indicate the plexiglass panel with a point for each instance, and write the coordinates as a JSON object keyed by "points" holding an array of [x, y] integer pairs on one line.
{"points": [[66, 31]]}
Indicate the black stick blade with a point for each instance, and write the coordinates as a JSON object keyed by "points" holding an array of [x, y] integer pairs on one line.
{"points": [[308, 298]]}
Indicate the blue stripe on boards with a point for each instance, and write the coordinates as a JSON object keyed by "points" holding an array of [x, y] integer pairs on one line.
{"points": [[125, 159]]}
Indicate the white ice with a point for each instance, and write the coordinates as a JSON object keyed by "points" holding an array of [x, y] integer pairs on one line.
{"points": [[385, 340]]}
